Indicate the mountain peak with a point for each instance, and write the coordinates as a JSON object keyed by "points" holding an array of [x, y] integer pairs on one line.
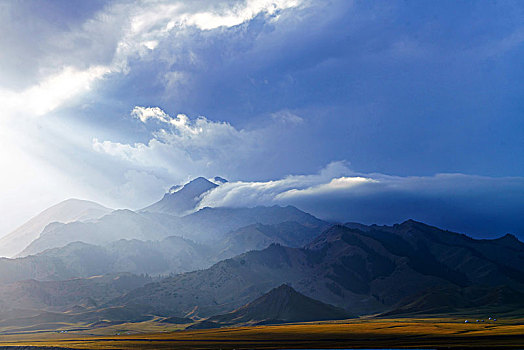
{"points": [[197, 180], [218, 179], [198, 186], [508, 238], [283, 289], [286, 304], [411, 222], [281, 304], [182, 199], [197, 183]]}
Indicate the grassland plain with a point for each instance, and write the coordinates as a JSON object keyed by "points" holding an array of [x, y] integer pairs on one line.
{"points": [[355, 333]]}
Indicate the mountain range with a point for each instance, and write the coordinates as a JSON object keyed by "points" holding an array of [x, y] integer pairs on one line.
{"points": [[210, 267], [361, 271]]}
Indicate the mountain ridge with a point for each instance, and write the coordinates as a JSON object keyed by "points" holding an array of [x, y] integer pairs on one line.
{"points": [[119, 224], [66, 211]]}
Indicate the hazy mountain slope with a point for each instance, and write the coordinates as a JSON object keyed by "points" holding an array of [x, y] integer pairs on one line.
{"points": [[280, 305], [207, 226], [364, 271], [65, 295], [120, 224], [181, 199], [77, 259], [170, 255], [33, 267], [66, 211], [32, 305], [211, 224], [157, 257], [258, 236]]}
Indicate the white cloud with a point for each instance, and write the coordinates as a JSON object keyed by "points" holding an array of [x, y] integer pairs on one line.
{"points": [[200, 130], [229, 17], [145, 113], [332, 187], [240, 194], [184, 146]]}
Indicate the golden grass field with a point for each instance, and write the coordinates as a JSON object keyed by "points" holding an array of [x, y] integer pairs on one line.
{"points": [[355, 333]]}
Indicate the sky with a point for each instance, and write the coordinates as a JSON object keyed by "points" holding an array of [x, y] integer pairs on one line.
{"points": [[363, 111]]}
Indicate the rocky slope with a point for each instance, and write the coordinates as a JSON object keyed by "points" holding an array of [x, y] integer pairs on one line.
{"points": [[280, 305]]}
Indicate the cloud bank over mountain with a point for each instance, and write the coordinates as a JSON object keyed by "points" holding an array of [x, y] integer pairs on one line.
{"points": [[483, 206]]}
